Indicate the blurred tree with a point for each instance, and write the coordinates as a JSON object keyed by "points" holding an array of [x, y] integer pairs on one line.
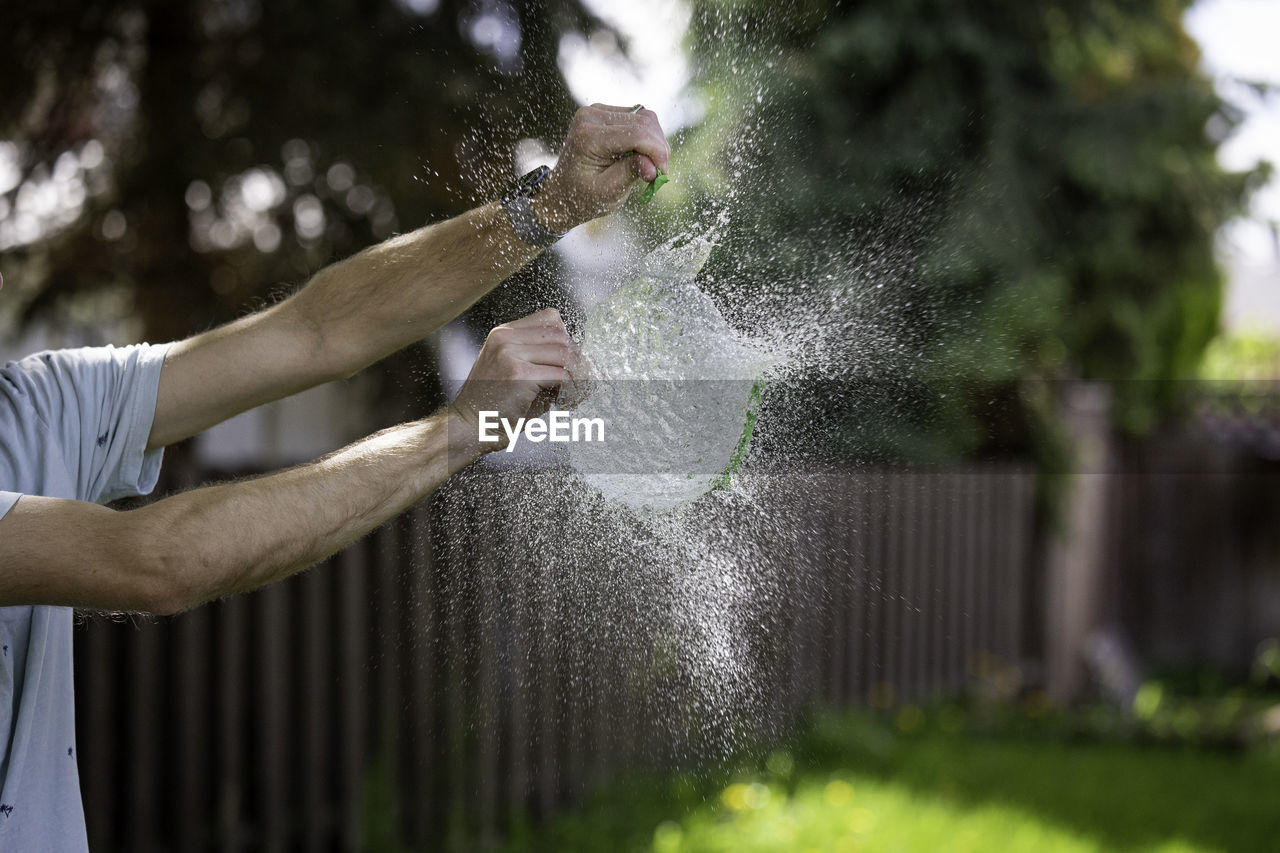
{"points": [[187, 159], [1038, 180]]}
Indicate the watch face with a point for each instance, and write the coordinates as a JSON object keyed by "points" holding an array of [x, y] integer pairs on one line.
{"points": [[528, 184], [532, 181]]}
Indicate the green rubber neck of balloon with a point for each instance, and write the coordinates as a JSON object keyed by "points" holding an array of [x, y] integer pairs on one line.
{"points": [[744, 441], [654, 186]]}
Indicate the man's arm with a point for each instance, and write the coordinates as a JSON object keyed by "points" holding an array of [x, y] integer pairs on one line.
{"points": [[360, 310], [223, 539]]}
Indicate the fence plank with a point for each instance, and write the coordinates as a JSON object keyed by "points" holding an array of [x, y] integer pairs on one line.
{"points": [[921, 610], [384, 716], [191, 709], [837, 567], [1018, 536], [316, 712], [547, 693], [143, 720], [232, 619], [519, 708], [96, 718], [272, 701], [424, 637], [353, 626], [943, 584], [487, 756], [904, 534], [878, 555], [987, 587]]}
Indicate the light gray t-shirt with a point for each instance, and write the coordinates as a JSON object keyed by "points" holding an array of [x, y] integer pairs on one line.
{"points": [[73, 424]]}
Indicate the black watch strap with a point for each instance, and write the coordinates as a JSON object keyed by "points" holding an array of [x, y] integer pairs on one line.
{"points": [[520, 211]]}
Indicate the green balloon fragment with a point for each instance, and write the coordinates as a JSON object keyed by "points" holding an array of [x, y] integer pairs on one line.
{"points": [[654, 186]]}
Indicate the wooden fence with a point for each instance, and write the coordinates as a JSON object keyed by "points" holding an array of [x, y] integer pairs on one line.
{"points": [[1192, 560], [457, 670]]}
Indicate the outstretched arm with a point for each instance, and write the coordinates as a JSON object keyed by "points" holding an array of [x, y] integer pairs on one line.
{"points": [[360, 310], [234, 537], [221, 539]]}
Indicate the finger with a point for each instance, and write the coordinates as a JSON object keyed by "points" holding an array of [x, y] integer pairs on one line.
{"points": [[577, 389], [581, 372], [614, 182], [618, 139], [572, 395], [663, 150], [627, 131], [595, 117], [641, 126], [553, 354], [646, 167], [545, 317], [544, 375], [507, 340], [626, 117], [622, 131], [611, 108], [542, 403]]}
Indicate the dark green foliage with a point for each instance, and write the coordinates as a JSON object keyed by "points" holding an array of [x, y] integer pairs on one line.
{"points": [[1038, 178], [424, 116]]}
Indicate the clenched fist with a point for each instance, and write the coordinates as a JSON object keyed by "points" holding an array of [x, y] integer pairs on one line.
{"points": [[606, 150], [521, 367]]}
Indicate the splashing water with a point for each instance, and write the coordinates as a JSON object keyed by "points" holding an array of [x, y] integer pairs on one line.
{"points": [[662, 582], [669, 590], [676, 386]]}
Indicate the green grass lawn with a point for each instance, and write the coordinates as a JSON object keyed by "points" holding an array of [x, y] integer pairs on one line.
{"points": [[857, 783]]}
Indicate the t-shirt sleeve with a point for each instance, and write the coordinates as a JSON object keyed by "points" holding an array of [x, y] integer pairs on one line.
{"points": [[97, 404]]}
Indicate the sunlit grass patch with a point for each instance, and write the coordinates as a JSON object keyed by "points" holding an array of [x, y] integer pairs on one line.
{"points": [[856, 813], [926, 783]]}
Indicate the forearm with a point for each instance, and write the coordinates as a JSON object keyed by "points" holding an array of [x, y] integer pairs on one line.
{"points": [[235, 537], [348, 316], [399, 291]]}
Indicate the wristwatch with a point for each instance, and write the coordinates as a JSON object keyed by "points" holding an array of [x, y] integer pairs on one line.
{"points": [[516, 202]]}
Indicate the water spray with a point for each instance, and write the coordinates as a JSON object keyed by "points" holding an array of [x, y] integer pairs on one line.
{"points": [[679, 388]]}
